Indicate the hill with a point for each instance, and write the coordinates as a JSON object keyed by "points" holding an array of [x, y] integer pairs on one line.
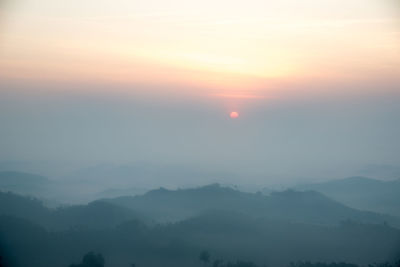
{"points": [[95, 215], [362, 193], [23, 183], [307, 207], [226, 235], [283, 227]]}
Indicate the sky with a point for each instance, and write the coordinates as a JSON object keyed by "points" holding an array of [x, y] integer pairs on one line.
{"points": [[315, 84]]}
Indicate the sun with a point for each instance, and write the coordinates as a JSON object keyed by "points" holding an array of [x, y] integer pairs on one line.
{"points": [[234, 114]]}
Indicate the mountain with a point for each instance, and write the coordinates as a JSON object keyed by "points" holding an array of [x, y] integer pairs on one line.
{"points": [[54, 193], [95, 215], [118, 192], [24, 183], [307, 207], [162, 205], [278, 242], [229, 236], [362, 193], [277, 229]]}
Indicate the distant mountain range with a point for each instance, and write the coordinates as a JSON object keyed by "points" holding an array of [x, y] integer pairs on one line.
{"points": [[361, 193], [278, 229], [305, 207], [164, 205], [95, 215], [23, 183], [56, 192]]}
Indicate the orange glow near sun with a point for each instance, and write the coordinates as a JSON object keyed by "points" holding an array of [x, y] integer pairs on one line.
{"points": [[234, 115]]}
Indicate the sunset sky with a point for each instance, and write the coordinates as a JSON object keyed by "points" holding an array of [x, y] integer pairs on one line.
{"points": [[224, 47], [181, 67]]}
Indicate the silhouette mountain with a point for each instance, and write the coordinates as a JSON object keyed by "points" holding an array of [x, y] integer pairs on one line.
{"points": [[225, 234], [308, 207], [94, 215], [275, 229], [275, 241], [23, 183], [362, 193]]}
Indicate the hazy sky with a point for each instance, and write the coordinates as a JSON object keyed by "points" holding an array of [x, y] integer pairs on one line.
{"points": [[316, 84]]}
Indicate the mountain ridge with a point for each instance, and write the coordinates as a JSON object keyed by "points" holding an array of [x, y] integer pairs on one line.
{"points": [[361, 193], [309, 206]]}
